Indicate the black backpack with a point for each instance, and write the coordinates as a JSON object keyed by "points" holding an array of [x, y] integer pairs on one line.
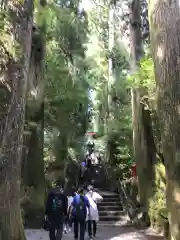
{"points": [[81, 210], [46, 224], [57, 204]]}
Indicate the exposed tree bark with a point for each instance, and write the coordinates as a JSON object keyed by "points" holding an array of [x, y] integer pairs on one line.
{"points": [[11, 226], [165, 39], [111, 72], [33, 173], [111, 67], [61, 154], [35, 95], [34, 166], [33, 158], [143, 140]]}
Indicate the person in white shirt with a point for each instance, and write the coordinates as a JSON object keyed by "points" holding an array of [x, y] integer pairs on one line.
{"points": [[67, 225], [93, 217]]}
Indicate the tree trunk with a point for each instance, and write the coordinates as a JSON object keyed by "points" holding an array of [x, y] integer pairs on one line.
{"points": [[143, 140], [165, 39], [33, 159], [111, 67], [33, 175], [34, 167], [140, 150], [11, 226], [61, 154]]}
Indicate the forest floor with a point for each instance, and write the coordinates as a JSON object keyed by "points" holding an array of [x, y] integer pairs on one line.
{"points": [[104, 233]]}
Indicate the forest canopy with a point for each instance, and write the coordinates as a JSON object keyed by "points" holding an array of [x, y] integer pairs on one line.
{"points": [[73, 67]]}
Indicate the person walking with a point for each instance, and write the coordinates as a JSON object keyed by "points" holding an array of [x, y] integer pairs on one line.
{"points": [[82, 174], [89, 161], [56, 211], [93, 218], [68, 223], [80, 210]]}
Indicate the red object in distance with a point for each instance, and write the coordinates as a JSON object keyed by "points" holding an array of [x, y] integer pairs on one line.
{"points": [[133, 169], [91, 133]]}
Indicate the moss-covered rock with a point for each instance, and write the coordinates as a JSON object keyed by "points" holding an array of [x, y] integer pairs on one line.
{"points": [[157, 201]]}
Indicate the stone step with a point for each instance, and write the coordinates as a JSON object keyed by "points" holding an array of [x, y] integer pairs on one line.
{"points": [[111, 213], [112, 208], [106, 193], [112, 199], [112, 195], [123, 222], [111, 218], [109, 204]]}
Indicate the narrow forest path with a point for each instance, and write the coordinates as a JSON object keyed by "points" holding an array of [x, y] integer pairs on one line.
{"points": [[104, 233]]}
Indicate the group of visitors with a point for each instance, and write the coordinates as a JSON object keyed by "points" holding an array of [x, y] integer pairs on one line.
{"points": [[85, 172], [79, 209]]}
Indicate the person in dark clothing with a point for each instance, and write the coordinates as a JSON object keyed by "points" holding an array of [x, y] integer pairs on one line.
{"points": [[90, 147], [80, 204], [56, 211], [82, 173], [88, 160]]}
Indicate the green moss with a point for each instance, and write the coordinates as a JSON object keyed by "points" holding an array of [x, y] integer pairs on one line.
{"points": [[157, 203], [33, 207]]}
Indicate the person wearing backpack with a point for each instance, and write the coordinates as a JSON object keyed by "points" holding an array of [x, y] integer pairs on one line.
{"points": [[80, 209], [56, 211]]}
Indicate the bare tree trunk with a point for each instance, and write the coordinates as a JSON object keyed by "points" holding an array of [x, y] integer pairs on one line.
{"points": [[143, 140], [111, 67], [140, 154], [11, 226], [111, 71], [165, 39]]}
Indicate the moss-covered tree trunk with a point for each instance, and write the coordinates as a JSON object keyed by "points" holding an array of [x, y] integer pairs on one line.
{"points": [[140, 151], [35, 165], [61, 153], [11, 226], [33, 161], [33, 174], [143, 141], [165, 39]]}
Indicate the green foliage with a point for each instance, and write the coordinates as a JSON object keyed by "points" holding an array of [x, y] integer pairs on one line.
{"points": [[67, 87], [115, 133], [144, 77], [10, 48], [119, 149], [76, 62]]}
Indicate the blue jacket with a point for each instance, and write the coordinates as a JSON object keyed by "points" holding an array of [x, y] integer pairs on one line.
{"points": [[76, 200]]}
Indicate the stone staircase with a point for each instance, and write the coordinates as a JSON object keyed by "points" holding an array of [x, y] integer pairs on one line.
{"points": [[110, 208], [98, 176]]}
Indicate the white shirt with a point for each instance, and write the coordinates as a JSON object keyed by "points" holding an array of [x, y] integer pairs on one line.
{"points": [[93, 198], [70, 199]]}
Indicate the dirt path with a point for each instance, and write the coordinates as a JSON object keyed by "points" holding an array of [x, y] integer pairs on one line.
{"points": [[104, 233]]}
